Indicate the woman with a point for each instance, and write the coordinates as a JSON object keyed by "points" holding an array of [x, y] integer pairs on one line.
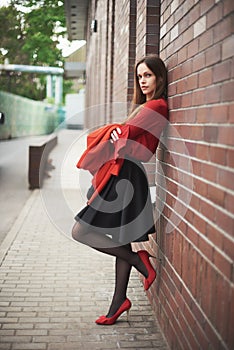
{"points": [[119, 209]]}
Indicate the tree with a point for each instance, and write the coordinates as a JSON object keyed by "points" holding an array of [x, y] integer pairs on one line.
{"points": [[29, 33]]}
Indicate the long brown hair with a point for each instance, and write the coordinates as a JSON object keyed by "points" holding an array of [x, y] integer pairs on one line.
{"points": [[157, 66]]}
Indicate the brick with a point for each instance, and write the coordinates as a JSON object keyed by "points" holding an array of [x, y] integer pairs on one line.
{"points": [[208, 211], [16, 339], [214, 235], [192, 82], [186, 68], [31, 332], [223, 264], [208, 172], [187, 36], [186, 100], [219, 113], [182, 55], [205, 40], [213, 94], [218, 155], [198, 62], [181, 86], [206, 5], [208, 278], [230, 158], [213, 55], [198, 98], [31, 346], [228, 204], [206, 248], [200, 224], [49, 339], [199, 26], [194, 14], [202, 114], [223, 29], [230, 337], [215, 15], [205, 78], [191, 148], [211, 134], [202, 151], [225, 222], [231, 113], [227, 91], [228, 7], [226, 135], [222, 308], [178, 252], [212, 335], [175, 73]]}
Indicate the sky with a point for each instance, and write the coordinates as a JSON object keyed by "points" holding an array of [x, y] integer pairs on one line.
{"points": [[4, 3]]}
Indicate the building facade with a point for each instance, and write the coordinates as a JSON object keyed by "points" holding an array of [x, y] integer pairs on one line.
{"points": [[193, 296]]}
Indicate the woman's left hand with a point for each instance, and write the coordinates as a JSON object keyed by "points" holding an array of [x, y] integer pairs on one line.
{"points": [[115, 134]]}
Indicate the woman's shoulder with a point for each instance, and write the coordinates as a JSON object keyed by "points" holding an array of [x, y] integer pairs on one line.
{"points": [[159, 105], [154, 104]]}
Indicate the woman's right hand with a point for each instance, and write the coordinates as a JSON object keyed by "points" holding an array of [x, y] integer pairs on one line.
{"points": [[115, 135]]}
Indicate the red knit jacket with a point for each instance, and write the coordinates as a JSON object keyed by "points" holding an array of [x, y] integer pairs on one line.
{"points": [[138, 139]]}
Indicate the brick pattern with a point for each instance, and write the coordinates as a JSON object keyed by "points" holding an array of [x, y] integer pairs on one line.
{"points": [[96, 78], [196, 277], [121, 52]]}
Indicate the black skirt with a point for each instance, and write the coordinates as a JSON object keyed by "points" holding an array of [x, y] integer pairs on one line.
{"points": [[123, 209]]}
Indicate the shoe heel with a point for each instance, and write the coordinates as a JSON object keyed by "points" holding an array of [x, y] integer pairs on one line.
{"points": [[128, 313]]}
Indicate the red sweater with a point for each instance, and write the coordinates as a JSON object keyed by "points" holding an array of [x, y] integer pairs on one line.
{"points": [[139, 139]]}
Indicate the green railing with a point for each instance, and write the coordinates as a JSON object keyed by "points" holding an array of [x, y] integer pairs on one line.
{"points": [[25, 117]]}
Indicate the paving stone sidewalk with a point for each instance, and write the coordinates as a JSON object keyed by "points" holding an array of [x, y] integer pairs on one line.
{"points": [[53, 289]]}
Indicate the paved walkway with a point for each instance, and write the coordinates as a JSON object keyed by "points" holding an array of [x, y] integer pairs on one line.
{"points": [[53, 289]]}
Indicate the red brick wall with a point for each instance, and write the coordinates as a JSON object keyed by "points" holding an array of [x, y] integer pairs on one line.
{"points": [[96, 72], [193, 295], [147, 27], [124, 56]]}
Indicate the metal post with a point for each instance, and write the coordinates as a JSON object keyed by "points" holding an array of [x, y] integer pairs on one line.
{"points": [[58, 89], [49, 87]]}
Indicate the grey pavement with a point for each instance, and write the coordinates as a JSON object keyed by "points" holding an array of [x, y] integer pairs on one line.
{"points": [[13, 179], [52, 288]]}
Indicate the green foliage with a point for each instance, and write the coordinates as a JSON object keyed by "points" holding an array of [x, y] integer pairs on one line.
{"points": [[29, 33]]}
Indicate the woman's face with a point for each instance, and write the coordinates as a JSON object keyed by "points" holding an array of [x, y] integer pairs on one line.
{"points": [[147, 80]]}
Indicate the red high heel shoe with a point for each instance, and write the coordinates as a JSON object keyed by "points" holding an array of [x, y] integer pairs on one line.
{"points": [[144, 256], [103, 320]]}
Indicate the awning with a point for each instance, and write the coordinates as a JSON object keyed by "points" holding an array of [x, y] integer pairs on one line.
{"points": [[76, 18]]}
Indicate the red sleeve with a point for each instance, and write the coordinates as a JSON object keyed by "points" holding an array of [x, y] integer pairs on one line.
{"points": [[145, 129], [151, 118]]}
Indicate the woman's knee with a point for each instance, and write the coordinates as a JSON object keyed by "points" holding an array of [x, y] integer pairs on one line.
{"points": [[77, 232]]}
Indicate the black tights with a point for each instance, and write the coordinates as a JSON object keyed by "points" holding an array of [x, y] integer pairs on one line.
{"points": [[125, 259]]}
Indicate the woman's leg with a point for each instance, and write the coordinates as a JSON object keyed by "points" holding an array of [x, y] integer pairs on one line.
{"points": [[122, 274], [104, 244]]}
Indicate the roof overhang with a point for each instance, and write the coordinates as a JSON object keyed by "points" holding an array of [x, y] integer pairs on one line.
{"points": [[76, 18]]}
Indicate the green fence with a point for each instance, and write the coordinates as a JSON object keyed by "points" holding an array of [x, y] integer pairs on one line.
{"points": [[25, 117]]}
